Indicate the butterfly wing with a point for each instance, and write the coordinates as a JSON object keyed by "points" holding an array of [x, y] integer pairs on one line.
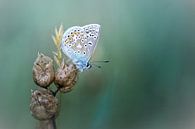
{"points": [[79, 43], [91, 38], [69, 43]]}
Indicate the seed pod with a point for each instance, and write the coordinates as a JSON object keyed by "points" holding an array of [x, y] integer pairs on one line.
{"points": [[43, 105], [43, 71], [65, 77]]}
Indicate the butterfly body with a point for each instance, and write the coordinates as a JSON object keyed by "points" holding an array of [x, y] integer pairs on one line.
{"points": [[79, 43]]}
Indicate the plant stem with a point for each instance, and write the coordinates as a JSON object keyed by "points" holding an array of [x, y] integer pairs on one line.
{"points": [[54, 93], [47, 124]]}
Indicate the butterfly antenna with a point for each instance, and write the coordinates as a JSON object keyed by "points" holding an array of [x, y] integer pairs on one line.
{"points": [[97, 66], [102, 61]]}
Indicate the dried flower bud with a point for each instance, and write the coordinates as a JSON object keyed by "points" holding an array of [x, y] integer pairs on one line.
{"points": [[43, 71], [65, 77], [43, 105]]}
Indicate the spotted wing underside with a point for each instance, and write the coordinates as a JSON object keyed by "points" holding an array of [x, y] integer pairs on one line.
{"points": [[79, 43]]}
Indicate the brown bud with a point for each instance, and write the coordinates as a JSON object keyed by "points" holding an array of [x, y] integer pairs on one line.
{"points": [[65, 77], [43, 70], [43, 105]]}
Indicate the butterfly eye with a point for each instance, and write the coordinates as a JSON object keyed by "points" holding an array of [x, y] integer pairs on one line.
{"points": [[88, 65], [84, 52]]}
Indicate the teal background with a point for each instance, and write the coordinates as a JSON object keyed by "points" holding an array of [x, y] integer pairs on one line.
{"points": [[148, 84]]}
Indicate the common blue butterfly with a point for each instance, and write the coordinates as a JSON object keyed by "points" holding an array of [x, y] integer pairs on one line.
{"points": [[79, 43]]}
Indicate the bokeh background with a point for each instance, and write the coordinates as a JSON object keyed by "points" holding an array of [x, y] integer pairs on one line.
{"points": [[149, 83]]}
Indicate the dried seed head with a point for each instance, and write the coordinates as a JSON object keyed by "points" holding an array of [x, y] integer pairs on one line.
{"points": [[43, 105], [65, 77], [43, 71]]}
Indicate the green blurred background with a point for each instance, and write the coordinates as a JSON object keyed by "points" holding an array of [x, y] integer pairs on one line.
{"points": [[149, 83]]}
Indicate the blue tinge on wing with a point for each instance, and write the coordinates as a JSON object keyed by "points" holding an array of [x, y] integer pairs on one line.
{"points": [[79, 43]]}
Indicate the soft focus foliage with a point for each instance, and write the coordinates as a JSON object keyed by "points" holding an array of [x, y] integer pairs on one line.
{"points": [[149, 83]]}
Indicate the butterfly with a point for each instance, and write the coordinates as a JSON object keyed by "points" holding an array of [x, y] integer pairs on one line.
{"points": [[79, 43]]}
